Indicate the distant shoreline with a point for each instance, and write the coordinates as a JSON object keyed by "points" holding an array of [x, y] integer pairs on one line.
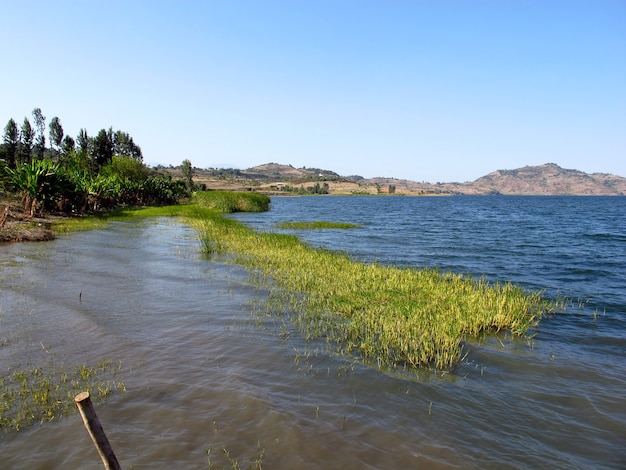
{"points": [[543, 180]]}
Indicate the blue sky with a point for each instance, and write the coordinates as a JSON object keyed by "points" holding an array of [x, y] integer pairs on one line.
{"points": [[428, 90]]}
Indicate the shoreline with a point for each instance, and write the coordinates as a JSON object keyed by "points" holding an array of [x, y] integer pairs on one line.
{"points": [[35, 229]]}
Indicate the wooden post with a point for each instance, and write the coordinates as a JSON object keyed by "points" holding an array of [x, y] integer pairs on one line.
{"points": [[94, 428]]}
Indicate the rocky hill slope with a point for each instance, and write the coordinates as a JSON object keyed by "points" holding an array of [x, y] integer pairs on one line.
{"points": [[548, 179]]}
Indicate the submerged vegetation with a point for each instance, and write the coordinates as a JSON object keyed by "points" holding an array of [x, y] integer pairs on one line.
{"points": [[228, 202], [33, 395], [388, 316]]}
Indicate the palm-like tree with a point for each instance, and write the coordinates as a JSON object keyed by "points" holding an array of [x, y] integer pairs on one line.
{"points": [[36, 181]]}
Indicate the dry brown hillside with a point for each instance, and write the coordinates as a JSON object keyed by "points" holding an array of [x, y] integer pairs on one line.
{"points": [[547, 179]]}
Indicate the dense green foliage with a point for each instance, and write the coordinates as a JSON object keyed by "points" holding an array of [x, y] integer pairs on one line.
{"points": [[89, 173], [315, 189]]}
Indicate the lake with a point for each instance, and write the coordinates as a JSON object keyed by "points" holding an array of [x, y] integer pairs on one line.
{"points": [[211, 379]]}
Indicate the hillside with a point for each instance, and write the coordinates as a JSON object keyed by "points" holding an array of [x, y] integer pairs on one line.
{"points": [[547, 179]]}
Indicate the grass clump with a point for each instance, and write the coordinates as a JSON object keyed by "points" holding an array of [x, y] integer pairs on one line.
{"points": [[228, 202], [387, 315], [317, 225], [390, 316], [32, 395]]}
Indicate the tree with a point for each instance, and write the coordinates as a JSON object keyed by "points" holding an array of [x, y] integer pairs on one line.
{"points": [[27, 136], [56, 133], [187, 174], [68, 145], [12, 140], [40, 125], [124, 145], [102, 151], [126, 168], [84, 142]]}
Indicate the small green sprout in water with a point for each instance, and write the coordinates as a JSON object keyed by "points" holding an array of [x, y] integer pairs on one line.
{"points": [[32, 395], [223, 456]]}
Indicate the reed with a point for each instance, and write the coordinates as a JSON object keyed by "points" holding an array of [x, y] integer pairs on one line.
{"points": [[228, 202], [316, 225], [391, 316]]}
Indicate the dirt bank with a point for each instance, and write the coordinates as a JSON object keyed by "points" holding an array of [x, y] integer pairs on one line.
{"points": [[16, 226]]}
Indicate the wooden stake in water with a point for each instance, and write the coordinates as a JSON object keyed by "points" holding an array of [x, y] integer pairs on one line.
{"points": [[92, 423]]}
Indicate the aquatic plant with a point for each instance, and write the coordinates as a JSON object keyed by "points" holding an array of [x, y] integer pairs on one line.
{"points": [[34, 394], [390, 316], [219, 455], [35, 181], [228, 201]]}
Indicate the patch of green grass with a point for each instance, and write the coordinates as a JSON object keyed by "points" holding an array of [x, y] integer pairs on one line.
{"points": [[228, 202], [389, 316], [317, 225], [34, 395], [203, 204], [394, 317], [100, 220]]}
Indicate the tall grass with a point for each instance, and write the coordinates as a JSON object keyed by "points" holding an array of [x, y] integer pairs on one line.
{"points": [[228, 201], [391, 316], [386, 315]]}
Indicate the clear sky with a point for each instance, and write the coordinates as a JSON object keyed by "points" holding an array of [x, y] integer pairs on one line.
{"points": [[428, 90]]}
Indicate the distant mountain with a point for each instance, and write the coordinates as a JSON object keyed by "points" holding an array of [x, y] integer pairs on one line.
{"points": [[547, 179]]}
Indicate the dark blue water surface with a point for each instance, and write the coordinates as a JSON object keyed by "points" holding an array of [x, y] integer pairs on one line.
{"points": [[575, 246]]}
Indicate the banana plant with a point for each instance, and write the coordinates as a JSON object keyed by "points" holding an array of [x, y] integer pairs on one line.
{"points": [[36, 181]]}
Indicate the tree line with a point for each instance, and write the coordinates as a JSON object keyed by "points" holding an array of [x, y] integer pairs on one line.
{"points": [[76, 175]]}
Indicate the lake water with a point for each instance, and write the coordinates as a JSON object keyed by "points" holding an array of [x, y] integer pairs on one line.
{"points": [[205, 370]]}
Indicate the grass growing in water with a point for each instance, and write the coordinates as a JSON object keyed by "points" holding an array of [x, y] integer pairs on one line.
{"points": [[228, 202], [318, 225], [387, 315], [32, 395], [100, 220]]}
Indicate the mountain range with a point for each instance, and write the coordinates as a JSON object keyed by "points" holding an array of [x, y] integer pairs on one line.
{"points": [[548, 179]]}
